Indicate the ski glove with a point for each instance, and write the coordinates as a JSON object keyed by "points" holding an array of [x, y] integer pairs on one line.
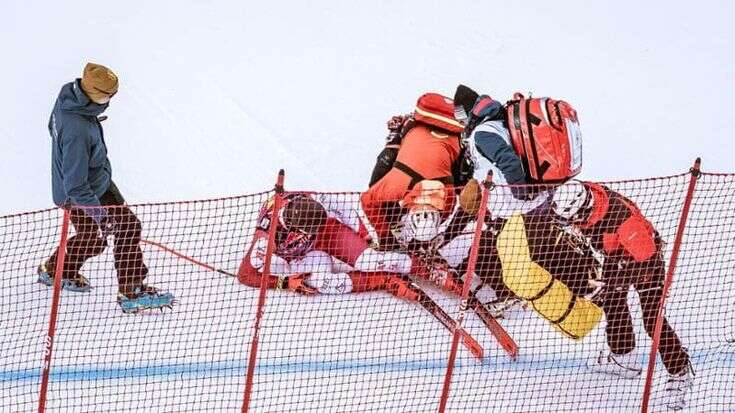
{"points": [[295, 283], [471, 197], [398, 126], [395, 123]]}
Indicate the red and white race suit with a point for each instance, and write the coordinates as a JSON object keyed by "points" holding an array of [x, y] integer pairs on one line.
{"points": [[331, 259]]}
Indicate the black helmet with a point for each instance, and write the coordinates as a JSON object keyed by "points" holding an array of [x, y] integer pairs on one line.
{"points": [[302, 213]]}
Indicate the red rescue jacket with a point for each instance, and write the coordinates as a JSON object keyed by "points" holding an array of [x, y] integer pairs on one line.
{"points": [[428, 151], [617, 227]]}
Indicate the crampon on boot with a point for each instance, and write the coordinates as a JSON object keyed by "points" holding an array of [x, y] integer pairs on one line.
{"points": [[78, 283], [145, 297]]}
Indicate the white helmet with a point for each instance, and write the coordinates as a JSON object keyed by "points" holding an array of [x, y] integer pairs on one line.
{"points": [[570, 199], [421, 225]]}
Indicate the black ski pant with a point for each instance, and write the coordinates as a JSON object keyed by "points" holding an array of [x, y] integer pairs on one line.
{"points": [[548, 249], [649, 281], [87, 242]]}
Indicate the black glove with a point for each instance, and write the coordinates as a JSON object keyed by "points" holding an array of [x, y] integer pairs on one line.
{"points": [[395, 123], [398, 126]]}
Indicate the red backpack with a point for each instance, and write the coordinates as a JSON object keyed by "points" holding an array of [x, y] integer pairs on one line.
{"points": [[545, 134]]}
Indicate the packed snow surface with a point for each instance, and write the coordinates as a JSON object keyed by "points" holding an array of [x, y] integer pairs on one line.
{"points": [[216, 96]]}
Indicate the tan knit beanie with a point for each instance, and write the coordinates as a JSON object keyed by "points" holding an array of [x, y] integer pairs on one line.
{"points": [[99, 82]]}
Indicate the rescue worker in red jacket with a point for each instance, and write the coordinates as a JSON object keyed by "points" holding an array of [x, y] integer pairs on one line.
{"points": [[524, 141], [428, 150], [632, 255]]}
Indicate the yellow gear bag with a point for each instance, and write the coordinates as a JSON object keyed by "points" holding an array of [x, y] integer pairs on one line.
{"points": [[574, 316]]}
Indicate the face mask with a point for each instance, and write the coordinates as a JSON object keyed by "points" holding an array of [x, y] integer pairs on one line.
{"points": [[103, 100], [104, 97]]}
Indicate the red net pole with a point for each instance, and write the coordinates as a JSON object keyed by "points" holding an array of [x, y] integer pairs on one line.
{"points": [[49, 342], [263, 287], [471, 263], [695, 171]]}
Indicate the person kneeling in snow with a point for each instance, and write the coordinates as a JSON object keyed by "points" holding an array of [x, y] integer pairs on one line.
{"points": [[423, 146], [632, 251]]}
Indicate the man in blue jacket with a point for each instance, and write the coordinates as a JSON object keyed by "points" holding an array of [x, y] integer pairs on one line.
{"points": [[81, 180]]}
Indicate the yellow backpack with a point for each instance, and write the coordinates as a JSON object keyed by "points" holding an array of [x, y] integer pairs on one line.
{"points": [[573, 315]]}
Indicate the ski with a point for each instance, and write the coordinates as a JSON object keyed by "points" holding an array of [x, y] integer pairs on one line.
{"points": [[502, 336], [447, 321]]}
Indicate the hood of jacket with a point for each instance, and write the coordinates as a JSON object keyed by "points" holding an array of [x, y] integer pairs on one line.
{"points": [[485, 109], [73, 99]]}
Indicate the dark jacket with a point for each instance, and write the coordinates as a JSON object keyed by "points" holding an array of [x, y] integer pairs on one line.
{"points": [[631, 245], [80, 170], [490, 143]]}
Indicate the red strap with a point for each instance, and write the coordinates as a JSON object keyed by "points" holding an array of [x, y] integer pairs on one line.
{"points": [[600, 204]]}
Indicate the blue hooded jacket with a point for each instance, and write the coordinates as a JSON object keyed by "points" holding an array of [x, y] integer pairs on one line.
{"points": [[80, 170]]}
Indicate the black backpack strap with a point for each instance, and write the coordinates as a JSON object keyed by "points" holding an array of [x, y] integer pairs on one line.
{"points": [[417, 177], [446, 180]]}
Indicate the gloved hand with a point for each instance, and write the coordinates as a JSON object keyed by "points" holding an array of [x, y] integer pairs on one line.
{"points": [[445, 277], [297, 284], [395, 123], [398, 126], [470, 197], [107, 226]]}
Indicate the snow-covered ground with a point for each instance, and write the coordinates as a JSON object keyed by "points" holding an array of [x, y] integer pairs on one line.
{"points": [[367, 352], [217, 96]]}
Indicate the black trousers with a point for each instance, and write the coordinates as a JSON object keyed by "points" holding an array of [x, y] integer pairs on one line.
{"points": [[649, 280], [546, 248], [87, 242]]}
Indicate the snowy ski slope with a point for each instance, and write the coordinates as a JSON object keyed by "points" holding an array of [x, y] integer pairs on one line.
{"points": [[367, 352], [216, 96]]}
